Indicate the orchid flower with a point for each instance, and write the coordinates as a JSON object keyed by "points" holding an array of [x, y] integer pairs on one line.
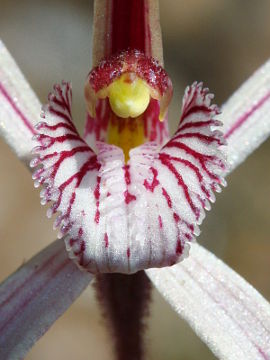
{"points": [[129, 198]]}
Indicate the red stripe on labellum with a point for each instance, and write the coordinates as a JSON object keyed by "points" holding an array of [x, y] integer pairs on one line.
{"points": [[97, 196], [154, 183], [80, 233], [88, 166], [60, 114], [167, 197], [199, 124], [98, 125], [9, 99], [127, 174], [178, 249], [106, 240], [199, 136], [160, 222], [191, 166], [176, 217], [202, 158], [128, 196], [181, 182], [198, 109], [55, 127]]}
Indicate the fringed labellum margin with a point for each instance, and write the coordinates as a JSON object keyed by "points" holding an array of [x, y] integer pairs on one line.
{"points": [[127, 216]]}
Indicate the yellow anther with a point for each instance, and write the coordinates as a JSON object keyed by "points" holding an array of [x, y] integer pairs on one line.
{"points": [[129, 96]]}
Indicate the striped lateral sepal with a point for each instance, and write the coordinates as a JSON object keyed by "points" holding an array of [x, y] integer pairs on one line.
{"points": [[123, 217]]}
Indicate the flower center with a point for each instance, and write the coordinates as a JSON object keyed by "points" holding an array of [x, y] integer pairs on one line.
{"points": [[137, 90], [129, 96]]}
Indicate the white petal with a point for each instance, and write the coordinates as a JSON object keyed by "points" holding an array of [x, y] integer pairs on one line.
{"points": [[34, 297], [19, 107], [223, 309], [246, 116]]}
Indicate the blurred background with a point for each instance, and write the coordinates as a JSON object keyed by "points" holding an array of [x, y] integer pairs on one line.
{"points": [[220, 42]]}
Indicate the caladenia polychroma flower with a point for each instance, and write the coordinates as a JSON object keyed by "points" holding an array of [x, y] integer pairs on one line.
{"points": [[129, 197], [136, 202]]}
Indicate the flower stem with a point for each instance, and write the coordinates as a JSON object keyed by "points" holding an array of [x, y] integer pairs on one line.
{"points": [[125, 301]]}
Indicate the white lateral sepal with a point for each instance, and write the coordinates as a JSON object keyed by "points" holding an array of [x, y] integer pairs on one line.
{"points": [[246, 116], [19, 107], [227, 313], [32, 298]]}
